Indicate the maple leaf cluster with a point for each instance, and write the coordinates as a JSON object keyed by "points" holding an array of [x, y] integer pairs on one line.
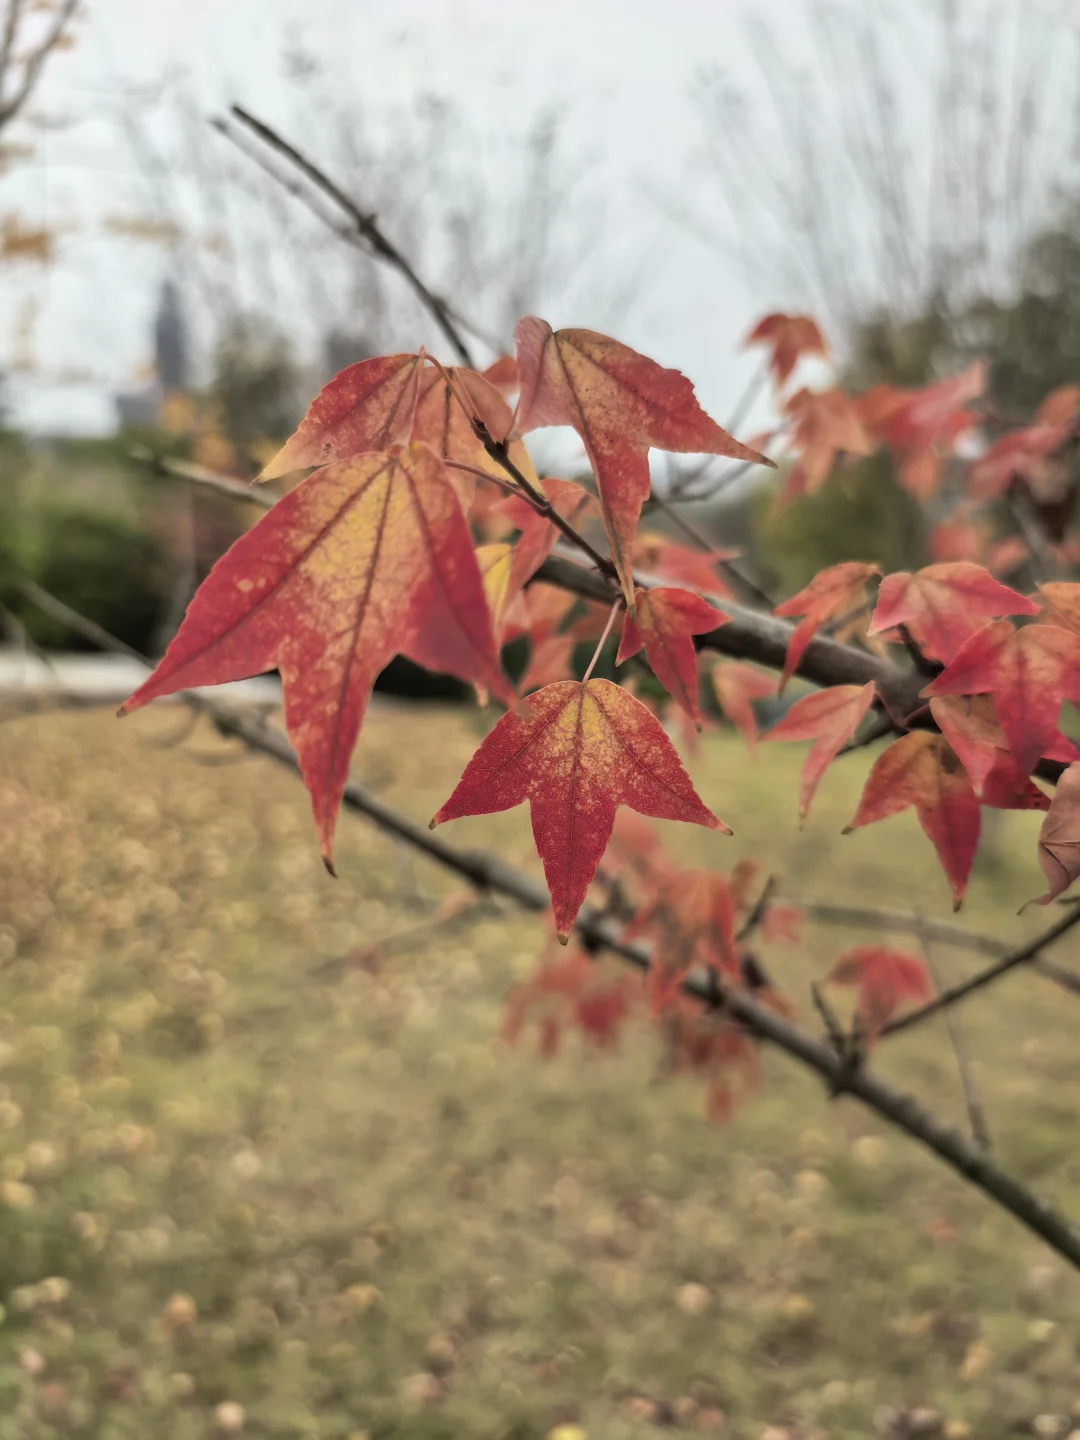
{"points": [[420, 530]]}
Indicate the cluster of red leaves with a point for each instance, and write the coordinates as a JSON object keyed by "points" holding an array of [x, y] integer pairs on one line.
{"points": [[375, 554], [372, 555], [690, 920]]}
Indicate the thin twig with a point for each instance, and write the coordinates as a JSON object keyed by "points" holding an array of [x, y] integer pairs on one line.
{"points": [[1023, 956], [366, 226], [980, 1131], [759, 910], [696, 538]]}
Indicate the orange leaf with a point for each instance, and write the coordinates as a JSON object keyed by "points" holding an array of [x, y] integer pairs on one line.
{"points": [[1059, 838], [829, 718], [361, 561], [824, 424], [692, 922], [921, 769], [1061, 602], [621, 404], [503, 374], [1028, 672], [831, 593], [664, 621], [577, 752], [737, 685], [942, 605], [788, 337], [885, 979], [920, 427], [366, 407]]}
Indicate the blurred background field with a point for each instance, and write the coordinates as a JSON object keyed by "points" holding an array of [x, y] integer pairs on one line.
{"points": [[250, 1162]]}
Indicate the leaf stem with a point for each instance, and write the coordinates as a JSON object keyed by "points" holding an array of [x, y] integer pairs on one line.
{"points": [[603, 639]]}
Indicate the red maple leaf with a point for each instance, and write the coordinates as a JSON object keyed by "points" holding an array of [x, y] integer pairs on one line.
{"points": [[737, 686], [831, 593], [829, 718], [885, 979], [788, 337], [576, 752], [367, 407], [363, 560], [921, 426], [692, 924], [971, 726], [665, 622], [1028, 671], [1059, 838], [943, 605], [621, 404], [824, 424], [922, 770]]}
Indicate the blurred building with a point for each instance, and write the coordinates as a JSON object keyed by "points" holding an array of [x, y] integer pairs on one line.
{"points": [[172, 370]]}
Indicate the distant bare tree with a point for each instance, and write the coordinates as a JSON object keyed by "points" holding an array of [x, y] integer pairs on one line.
{"points": [[905, 162], [29, 34]]}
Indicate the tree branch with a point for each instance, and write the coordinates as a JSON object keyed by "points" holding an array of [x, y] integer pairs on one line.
{"points": [[488, 873], [366, 226]]}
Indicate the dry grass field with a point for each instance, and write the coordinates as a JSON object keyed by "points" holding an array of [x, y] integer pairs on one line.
{"points": [[245, 1191]]}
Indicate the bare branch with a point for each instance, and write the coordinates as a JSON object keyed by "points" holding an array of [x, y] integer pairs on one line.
{"points": [[34, 62], [366, 227], [976, 1115]]}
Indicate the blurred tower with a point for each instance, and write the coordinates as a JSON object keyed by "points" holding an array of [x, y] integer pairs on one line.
{"points": [[170, 340]]}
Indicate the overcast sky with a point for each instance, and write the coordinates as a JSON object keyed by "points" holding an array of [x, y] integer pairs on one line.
{"points": [[620, 71]]}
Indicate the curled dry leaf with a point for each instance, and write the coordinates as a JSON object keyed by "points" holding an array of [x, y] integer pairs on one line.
{"points": [[922, 770], [829, 718], [621, 404], [1059, 837], [363, 560], [665, 620], [576, 752], [447, 402]]}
